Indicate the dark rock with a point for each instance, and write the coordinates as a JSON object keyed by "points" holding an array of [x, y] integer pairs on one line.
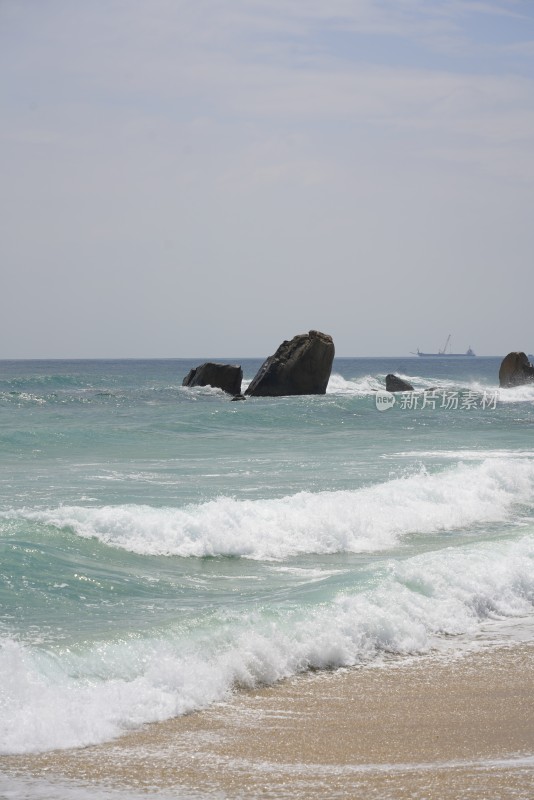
{"points": [[300, 366], [227, 377], [396, 384], [515, 370], [239, 397]]}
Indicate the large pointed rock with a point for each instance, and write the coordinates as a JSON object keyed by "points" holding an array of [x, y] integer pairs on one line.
{"points": [[300, 366], [227, 377], [515, 370]]}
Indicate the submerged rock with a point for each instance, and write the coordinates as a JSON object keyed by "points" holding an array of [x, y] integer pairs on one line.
{"points": [[299, 366], [515, 370], [396, 384], [227, 377]]}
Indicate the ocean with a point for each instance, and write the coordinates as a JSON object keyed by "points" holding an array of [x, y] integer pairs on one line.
{"points": [[164, 547]]}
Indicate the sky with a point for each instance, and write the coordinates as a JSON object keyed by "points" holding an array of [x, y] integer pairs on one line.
{"points": [[206, 178]]}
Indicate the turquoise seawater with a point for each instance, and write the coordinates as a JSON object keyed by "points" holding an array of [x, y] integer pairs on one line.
{"points": [[163, 546]]}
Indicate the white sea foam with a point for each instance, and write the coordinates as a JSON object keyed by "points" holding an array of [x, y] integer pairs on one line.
{"points": [[463, 455], [370, 384], [76, 697], [364, 520], [199, 392], [517, 394], [366, 385]]}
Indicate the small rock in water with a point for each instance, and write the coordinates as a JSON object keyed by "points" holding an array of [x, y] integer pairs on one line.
{"points": [[396, 384]]}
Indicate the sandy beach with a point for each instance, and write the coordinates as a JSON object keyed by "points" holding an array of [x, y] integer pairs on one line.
{"points": [[427, 728]]}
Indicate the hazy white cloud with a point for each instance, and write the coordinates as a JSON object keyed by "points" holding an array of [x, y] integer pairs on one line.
{"points": [[163, 161]]}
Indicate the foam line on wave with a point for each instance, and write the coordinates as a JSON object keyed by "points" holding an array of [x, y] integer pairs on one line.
{"points": [[368, 385], [369, 519]]}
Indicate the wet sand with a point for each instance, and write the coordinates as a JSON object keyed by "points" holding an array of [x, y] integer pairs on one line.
{"points": [[424, 728]]}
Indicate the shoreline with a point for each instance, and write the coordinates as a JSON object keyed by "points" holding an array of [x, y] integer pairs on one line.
{"points": [[426, 727]]}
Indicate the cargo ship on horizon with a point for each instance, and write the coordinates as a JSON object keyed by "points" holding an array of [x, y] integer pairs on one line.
{"points": [[446, 353]]}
